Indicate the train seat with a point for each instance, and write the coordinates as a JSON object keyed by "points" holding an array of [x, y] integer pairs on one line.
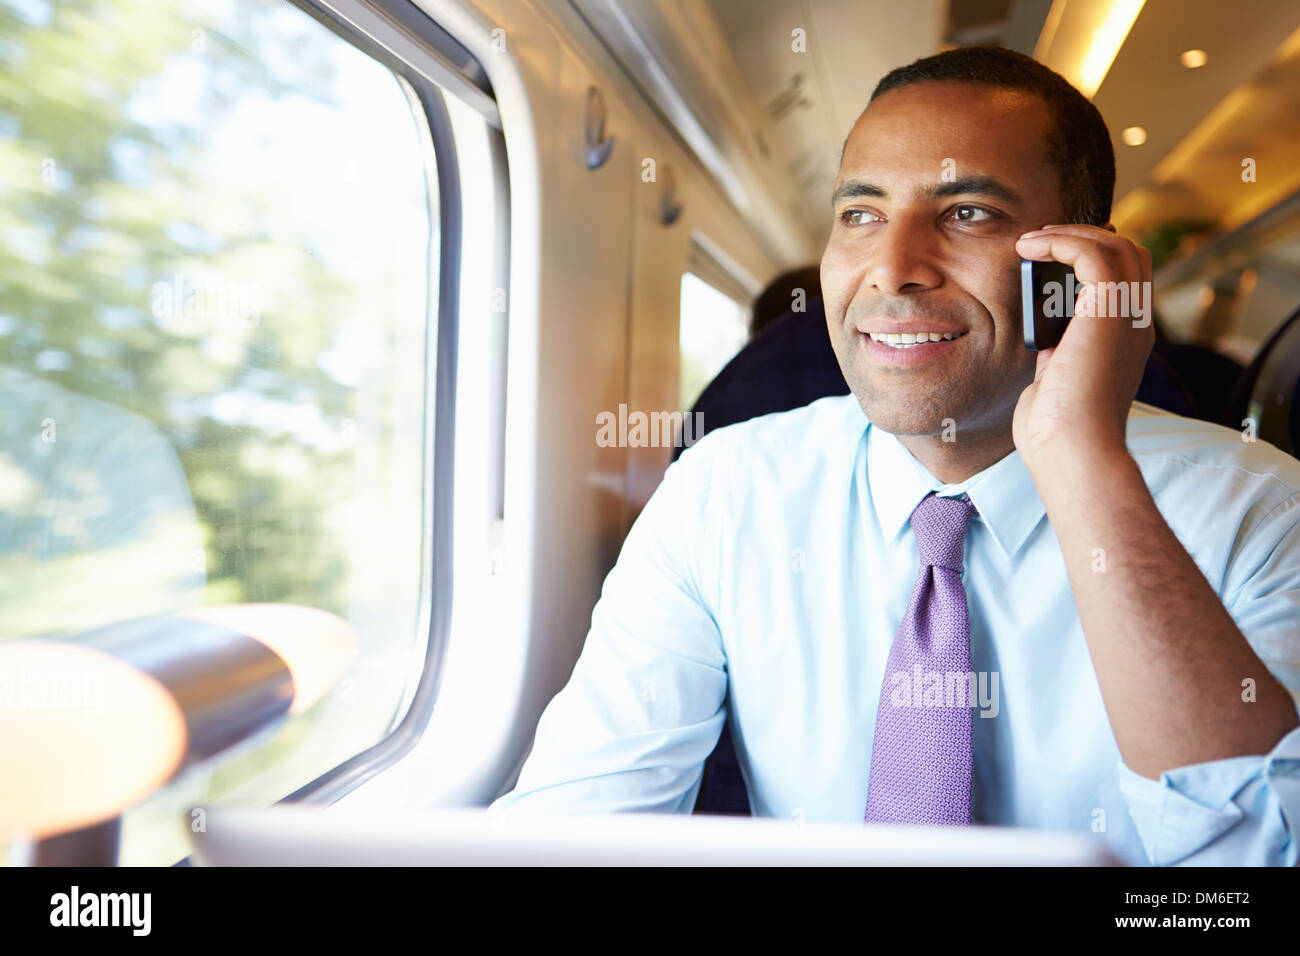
{"points": [[1266, 392]]}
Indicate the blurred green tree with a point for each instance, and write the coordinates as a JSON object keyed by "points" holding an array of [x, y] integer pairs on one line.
{"points": [[215, 233], [110, 112]]}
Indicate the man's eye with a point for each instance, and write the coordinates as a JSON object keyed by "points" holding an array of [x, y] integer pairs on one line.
{"points": [[971, 214], [858, 217]]}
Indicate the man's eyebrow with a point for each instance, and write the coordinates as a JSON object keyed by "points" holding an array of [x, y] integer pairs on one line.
{"points": [[965, 186], [856, 189], [975, 185]]}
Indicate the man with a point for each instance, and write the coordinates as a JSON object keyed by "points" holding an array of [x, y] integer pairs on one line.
{"points": [[986, 587]]}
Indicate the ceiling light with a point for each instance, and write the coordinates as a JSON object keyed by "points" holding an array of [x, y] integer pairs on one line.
{"points": [[1134, 136], [1193, 59], [1106, 41]]}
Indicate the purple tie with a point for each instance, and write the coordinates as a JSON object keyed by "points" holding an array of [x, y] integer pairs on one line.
{"points": [[923, 750]]}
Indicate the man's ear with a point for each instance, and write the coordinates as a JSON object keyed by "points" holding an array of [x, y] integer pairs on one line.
{"points": [[1110, 227]]}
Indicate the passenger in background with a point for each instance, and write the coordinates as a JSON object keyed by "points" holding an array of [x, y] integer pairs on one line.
{"points": [[790, 292]]}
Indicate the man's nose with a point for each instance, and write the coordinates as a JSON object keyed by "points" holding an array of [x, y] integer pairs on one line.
{"points": [[901, 257]]}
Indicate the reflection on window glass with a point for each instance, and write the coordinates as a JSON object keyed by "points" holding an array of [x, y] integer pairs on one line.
{"points": [[714, 328], [1235, 301], [214, 247]]}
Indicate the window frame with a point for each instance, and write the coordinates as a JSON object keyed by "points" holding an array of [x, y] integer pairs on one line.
{"points": [[405, 40]]}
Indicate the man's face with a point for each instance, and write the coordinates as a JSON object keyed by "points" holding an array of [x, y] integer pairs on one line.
{"points": [[937, 183]]}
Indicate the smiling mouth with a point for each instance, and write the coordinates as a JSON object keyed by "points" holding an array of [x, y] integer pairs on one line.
{"points": [[907, 340]]}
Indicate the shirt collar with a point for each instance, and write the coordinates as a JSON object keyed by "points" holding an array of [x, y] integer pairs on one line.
{"points": [[1003, 493]]}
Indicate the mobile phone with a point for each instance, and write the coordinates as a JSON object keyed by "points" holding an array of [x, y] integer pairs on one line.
{"points": [[1047, 294]]}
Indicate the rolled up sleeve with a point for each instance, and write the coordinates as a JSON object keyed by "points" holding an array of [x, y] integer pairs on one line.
{"points": [[1235, 812], [644, 707]]}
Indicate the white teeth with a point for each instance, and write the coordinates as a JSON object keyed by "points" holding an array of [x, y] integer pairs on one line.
{"points": [[906, 339]]}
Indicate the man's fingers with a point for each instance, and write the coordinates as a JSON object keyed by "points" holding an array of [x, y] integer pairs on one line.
{"points": [[1117, 249], [1092, 259], [1099, 258]]}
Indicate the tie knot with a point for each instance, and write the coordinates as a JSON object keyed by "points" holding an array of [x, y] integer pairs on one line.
{"points": [[940, 528]]}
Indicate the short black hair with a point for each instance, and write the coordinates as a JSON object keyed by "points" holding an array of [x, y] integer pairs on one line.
{"points": [[777, 299], [1078, 142]]}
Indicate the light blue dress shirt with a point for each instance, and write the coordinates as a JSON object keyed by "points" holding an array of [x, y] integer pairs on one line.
{"points": [[767, 576]]}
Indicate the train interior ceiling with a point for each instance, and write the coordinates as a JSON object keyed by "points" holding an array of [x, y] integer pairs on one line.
{"points": [[310, 314]]}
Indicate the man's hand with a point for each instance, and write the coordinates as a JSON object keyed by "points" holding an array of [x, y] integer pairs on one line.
{"points": [[1079, 401]]}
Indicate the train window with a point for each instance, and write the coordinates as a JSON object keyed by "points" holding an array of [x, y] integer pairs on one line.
{"points": [[714, 328], [215, 283], [1232, 295]]}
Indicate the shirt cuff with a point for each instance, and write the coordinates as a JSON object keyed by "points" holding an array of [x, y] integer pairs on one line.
{"points": [[1190, 808]]}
